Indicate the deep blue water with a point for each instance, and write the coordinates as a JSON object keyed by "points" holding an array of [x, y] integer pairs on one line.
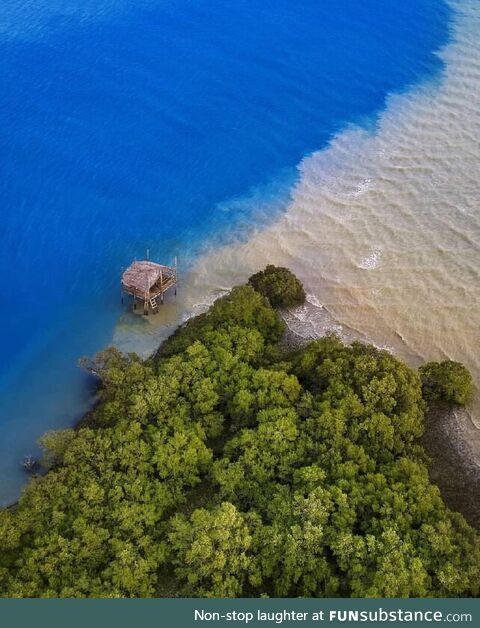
{"points": [[124, 125]]}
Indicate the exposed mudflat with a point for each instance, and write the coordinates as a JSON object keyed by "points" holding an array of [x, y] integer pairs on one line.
{"points": [[452, 441]]}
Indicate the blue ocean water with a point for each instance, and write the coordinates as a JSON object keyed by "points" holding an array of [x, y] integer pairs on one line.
{"points": [[127, 125]]}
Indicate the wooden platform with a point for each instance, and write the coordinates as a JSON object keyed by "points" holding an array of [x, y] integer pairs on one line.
{"points": [[147, 282]]}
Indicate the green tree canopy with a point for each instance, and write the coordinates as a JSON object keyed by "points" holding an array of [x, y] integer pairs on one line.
{"points": [[210, 551], [279, 285], [228, 466], [446, 382]]}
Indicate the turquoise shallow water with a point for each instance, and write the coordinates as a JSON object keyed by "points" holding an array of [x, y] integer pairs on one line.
{"points": [[125, 127]]}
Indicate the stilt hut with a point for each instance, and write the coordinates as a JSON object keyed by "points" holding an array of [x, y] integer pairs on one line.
{"points": [[147, 282]]}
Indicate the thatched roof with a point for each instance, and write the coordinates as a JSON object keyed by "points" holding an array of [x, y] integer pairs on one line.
{"points": [[141, 276]]}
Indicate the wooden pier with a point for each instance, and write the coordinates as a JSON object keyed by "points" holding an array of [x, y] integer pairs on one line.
{"points": [[147, 282]]}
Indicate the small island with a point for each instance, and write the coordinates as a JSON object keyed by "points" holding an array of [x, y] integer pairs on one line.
{"points": [[233, 464]]}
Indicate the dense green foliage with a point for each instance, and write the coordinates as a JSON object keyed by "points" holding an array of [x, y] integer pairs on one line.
{"points": [[447, 382], [224, 467], [279, 285], [243, 307]]}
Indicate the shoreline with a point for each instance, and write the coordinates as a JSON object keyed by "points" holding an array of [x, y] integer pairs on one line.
{"points": [[454, 462], [230, 432], [454, 465]]}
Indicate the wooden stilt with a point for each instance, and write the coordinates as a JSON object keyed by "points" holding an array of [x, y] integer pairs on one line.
{"points": [[175, 274]]}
